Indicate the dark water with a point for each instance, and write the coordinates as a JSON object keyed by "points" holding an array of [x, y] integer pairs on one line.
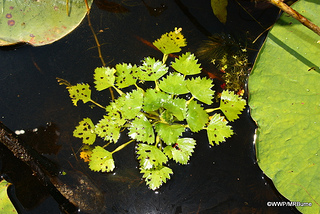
{"points": [[220, 179]]}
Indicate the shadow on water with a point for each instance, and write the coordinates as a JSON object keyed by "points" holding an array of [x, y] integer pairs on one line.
{"points": [[219, 179]]}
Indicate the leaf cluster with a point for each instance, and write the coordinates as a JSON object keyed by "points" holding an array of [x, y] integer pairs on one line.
{"points": [[156, 117]]}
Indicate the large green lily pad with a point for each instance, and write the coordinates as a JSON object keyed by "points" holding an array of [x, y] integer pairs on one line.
{"points": [[38, 22], [284, 98]]}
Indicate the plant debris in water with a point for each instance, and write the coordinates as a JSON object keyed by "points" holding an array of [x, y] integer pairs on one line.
{"points": [[155, 117], [230, 58]]}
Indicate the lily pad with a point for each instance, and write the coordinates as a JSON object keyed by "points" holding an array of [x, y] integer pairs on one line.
{"points": [[285, 102], [39, 22]]}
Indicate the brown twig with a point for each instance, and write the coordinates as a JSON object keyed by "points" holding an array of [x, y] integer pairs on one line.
{"points": [[42, 167], [284, 7]]}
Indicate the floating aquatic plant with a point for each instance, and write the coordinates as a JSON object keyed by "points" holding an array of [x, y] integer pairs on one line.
{"points": [[156, 117]]}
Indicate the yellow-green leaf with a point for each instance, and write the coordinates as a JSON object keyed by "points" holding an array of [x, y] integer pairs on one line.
{"points": [[196, 116], [187, 64], [79, 92], [126, 74], [85, 130], [231, 105], [171, 42], [141, 129], [101, 160], [150, 156], [104, 77], [181, 151], [155, 177], [218, 130], [6, 205]]}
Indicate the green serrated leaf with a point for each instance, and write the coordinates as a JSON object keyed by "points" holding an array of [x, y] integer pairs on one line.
{"points": [[218, 130], [174, 83], [108, 128], [79, 92], [141, 129], [150, 156], [151, 69], [181, 151], [129, 104], [132, 104], [171, 42], [231, 105], [157, 176], [104, 77], [177, 107], [169, 133], [200, 88], [101, 160], [126, 75], [85, 130], [186, 64], [154, 99], [196, 116]]}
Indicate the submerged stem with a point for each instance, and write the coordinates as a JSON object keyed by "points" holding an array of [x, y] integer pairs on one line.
{"points": [[67, 7], [98, 43]]}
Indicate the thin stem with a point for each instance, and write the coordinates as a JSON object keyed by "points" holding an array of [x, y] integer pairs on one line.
{"points": [[164, 59], [261, 34], [212, 109], [250, 14], [63, 82], [97, 104], [122, 146], [106, 145], [118, 90], [158, 141], [137, 86], [280, 4], [97, 42], [190, 100], [157, 85], [153, 113], [151, 117]]}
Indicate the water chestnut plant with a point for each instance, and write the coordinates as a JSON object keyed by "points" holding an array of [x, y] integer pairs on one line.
{"points": [[157, 103]]}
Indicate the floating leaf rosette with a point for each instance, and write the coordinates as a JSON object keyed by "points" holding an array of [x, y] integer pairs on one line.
{"points": [[157, 117]]}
